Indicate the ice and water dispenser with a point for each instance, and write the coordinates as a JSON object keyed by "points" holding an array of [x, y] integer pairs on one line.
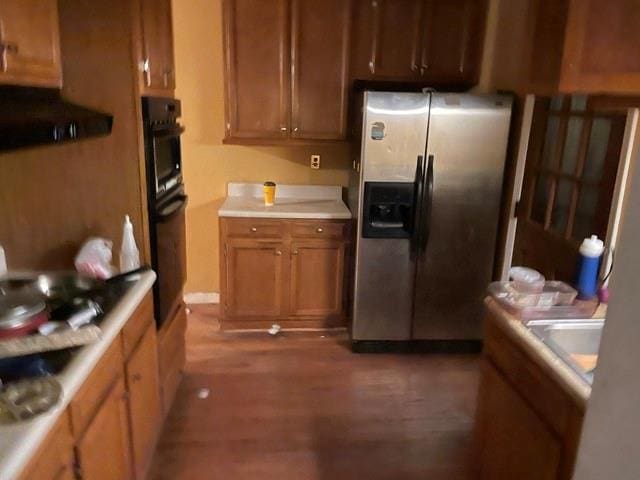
{"points": [[388, 210]]}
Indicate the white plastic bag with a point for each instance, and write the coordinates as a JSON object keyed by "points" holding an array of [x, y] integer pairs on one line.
{"points": [[94, 258]]}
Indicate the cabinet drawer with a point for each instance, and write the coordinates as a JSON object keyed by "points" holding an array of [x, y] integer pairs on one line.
{"points": [[86, 402], [137, 324], [54, 459], [255, 227], [319, 229]]}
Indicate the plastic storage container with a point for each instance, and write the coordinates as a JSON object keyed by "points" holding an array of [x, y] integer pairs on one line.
{"points": [[527, 280], [557, 300]]}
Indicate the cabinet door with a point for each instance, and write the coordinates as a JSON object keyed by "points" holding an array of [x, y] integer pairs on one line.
{"points": [[144, 400], [104, 452], [452, 36], [513, 442], [601, 47], [386, 37], [317, 277], [54, 459], [319, 67], [254, 278], [30, 43], [157, 44], [256, 49]]}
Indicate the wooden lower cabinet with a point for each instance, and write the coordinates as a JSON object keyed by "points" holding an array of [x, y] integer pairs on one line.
{"points": [[55, 458], [104, 451], [516, 442], [255, 277], [527, 424], [144, 400], [317, 270], [287, 271]]}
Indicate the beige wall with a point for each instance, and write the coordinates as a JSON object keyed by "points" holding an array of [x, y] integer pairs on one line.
{"points": [[209, 165]]}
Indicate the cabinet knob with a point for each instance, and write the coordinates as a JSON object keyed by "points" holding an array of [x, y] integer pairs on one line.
{"points": [[278, 252], [295, 129], [283, 129], [319, 230], [295, 252], [254, 229]]}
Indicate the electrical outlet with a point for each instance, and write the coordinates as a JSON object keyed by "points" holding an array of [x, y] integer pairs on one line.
{"points": [[315, 162]]}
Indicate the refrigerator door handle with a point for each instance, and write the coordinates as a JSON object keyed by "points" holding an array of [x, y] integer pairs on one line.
{"points": [[417, 206], [425, 224]]}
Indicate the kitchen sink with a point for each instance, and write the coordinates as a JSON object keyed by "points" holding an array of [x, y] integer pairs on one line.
{"points": [[576, 342]]}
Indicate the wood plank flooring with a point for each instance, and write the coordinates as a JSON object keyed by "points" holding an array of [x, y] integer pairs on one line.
{"points": [[302, 406]]}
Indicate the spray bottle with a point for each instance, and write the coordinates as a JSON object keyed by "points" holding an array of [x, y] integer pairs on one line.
{"points": [[129, 254]]}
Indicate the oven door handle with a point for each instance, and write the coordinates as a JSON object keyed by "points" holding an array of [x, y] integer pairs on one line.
{"points": [[168, 132], [175, 206]]}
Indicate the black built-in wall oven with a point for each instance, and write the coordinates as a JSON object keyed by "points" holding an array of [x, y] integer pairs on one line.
{"points": [[166, 202]]}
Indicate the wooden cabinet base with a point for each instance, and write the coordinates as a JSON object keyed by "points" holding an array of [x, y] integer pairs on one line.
{"points": [[527, 426], [286, 271]]}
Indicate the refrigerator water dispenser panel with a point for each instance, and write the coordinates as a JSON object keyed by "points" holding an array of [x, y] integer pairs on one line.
{"points": [[388, 210]]}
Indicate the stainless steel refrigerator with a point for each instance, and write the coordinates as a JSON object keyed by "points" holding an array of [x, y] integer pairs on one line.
{"points": [[427, 192]]}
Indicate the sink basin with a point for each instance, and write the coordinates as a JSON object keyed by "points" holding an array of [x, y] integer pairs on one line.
{"points": [[576, 342]]}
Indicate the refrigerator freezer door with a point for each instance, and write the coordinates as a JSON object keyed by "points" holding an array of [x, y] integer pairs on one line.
{"points": [[394, 133], [466, 149]]}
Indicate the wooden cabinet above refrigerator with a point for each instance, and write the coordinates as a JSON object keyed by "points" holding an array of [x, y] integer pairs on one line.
{"points": [[431, 42]]}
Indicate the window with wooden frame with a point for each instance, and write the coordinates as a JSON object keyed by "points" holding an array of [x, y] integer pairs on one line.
{"points": [[571, 174]]}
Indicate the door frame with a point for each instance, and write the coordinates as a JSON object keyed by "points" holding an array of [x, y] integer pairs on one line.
{"points": [[630, 146]]}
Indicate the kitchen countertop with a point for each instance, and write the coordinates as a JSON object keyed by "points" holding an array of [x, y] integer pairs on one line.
{"points": [[551, 363], [20, 441], [292, 201]]}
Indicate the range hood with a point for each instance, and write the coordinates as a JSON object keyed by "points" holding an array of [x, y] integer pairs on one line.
{"points": [[40, 116]]}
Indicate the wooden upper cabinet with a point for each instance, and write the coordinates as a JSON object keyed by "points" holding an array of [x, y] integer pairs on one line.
{"points": [[144, 400], [256, 53], [286, 70], [386, 39], [255, 276], [425, 41], [317, 277], [319, 68], [453, 32], [30, 43], [602, 47], [157, 63]]}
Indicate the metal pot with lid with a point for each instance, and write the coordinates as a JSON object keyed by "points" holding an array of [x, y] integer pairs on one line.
{"points": [[21, 313]]}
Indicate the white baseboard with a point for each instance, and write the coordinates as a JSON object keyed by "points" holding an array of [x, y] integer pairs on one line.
{"points": [[201, 297]]}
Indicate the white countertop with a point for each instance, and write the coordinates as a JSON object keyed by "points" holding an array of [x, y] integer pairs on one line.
{"points": [[292, 201], [20, 441], [571, 382]]}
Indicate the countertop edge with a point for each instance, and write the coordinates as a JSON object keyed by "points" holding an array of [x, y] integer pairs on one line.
{"points": [[15, 456], [310, 216], [569, 380]]}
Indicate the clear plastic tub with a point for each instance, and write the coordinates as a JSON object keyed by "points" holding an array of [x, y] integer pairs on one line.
{"points": [[552, 293], [557, 300]]}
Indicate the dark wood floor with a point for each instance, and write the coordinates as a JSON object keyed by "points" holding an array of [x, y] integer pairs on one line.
{"points": [[302, 406]]}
